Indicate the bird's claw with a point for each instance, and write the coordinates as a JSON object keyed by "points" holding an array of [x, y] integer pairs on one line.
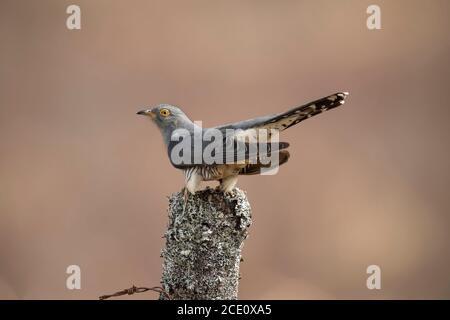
{"points": [[229, 193]]}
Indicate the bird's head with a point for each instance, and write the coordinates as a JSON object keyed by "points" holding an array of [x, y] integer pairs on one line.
{"points": [[167, 118]]}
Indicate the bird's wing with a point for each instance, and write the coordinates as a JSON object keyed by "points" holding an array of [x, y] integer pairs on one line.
{"points": [[232, 151], [289, 118], [241, 145]]}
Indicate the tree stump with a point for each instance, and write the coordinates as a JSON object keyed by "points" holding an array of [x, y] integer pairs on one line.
{"points": [[204, 240]]}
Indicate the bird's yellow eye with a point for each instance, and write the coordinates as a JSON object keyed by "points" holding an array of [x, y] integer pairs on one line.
{"points": [[164, 112]]}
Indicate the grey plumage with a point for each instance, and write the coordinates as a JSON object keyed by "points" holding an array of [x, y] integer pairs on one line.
{"points": [[170, 118]]}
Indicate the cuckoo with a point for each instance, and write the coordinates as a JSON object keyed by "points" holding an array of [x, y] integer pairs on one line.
{"points": [[223, 163]]}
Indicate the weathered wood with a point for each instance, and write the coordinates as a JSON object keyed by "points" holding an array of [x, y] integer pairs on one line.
{"points": [[204, 240]]}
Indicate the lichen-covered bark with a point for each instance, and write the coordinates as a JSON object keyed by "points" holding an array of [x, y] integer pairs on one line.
{"points": [[204, 243]]}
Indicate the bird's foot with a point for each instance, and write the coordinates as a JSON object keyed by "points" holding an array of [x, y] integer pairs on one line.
{"points": [[227, 185], [229, 193]]}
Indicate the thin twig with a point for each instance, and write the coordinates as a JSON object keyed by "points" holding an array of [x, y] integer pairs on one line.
{"points": [[134, 290]]}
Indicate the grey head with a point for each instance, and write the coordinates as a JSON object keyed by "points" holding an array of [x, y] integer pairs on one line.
{"points": [[168, 118]]}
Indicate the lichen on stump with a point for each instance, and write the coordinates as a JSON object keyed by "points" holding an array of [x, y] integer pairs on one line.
{"points": [[204, 243]]}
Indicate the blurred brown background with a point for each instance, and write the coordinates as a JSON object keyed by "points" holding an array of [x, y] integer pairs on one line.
{"points": [[366, 184]]}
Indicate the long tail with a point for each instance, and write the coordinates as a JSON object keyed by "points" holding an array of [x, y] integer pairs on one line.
{"points": [[296, 115]]}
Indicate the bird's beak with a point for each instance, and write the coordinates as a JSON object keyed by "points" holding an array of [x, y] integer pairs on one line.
{"points": [[148, 112]]}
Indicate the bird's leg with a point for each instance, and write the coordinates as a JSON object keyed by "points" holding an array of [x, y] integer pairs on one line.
{"points": [[180, 216], [192, 181], [219, 187], [185, 198]]}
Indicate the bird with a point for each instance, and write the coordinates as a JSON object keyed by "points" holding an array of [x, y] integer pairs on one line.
{"points": [[171, 119]]}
